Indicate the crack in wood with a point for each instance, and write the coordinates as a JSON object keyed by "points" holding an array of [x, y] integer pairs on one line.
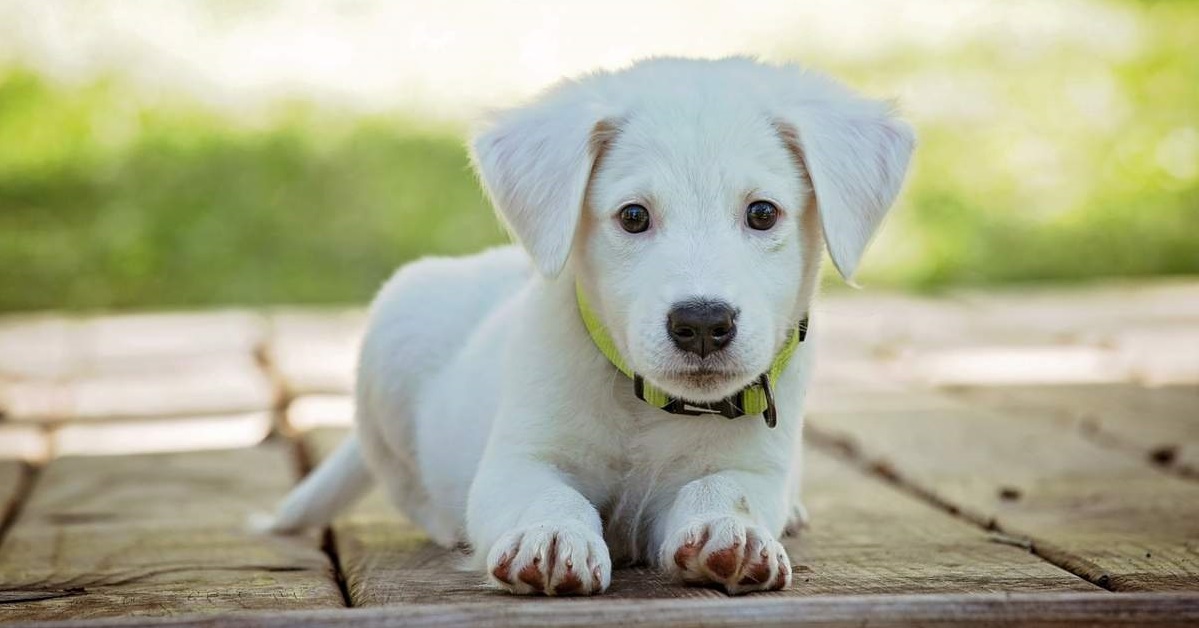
{"points": [[117, 580], [18, 596], [305, 465], [330, 548]]}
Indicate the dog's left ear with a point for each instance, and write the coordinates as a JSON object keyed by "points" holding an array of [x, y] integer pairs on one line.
{"points": [[536, 162], [855, 152]]}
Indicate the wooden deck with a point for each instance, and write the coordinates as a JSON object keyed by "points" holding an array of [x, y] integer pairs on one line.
{"points": [[1022, 457]]}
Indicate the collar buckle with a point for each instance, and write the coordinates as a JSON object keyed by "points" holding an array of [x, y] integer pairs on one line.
{"points": [[731, 407], [726, 408], [770, 414]]}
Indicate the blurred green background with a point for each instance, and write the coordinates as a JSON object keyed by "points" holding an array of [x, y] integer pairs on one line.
{"points": [[1037, 161]]}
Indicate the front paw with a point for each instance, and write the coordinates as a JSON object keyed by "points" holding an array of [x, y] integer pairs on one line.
{"points": [[728, 553], [551, 559]]}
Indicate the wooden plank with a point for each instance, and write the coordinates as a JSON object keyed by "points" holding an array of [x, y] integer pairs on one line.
{"points": [[314, 411], [865, 538], [162, 434], [37, 346], [12, 475], [228, 383], [1106, 516], [139, 342], [23, 441], [991, 364], [315, 352], [134, 365], [1116, 333], [1016, 609], [1161, 355], [1161, 424], [159, 535], [878, 322], [1085, 313], [59, 347], [830, 397]]}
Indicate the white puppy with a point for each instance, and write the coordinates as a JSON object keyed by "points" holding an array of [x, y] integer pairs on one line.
{"points": [[673, 214]]}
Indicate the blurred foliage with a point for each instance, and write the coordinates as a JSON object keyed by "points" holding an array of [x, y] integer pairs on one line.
{"points": [[1070, 163], [107, 204], [1064, 167]]}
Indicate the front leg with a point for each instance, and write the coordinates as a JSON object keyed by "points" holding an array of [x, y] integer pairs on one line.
{"points": [[719, 531], [539, 534]]}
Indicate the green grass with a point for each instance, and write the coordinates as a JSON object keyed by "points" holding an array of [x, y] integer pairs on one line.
{"points": [[108, 203], [112, 207], [1074, 166]]}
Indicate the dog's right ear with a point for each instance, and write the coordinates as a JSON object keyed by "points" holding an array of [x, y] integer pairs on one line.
{"points": [[535, 162]]}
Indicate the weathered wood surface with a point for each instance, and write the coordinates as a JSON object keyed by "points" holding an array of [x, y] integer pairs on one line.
{"points": [[314, 411], [162, 434], [60, 347], [1143, 332], [865, 538], [175, 387], [1017, 609], [315, 352], [22, 441], [1066, 420], [1160, 424], [1101, 513], [1081, 313], [12, 477], [159, 535]]}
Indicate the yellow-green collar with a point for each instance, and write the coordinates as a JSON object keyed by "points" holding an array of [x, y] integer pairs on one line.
{"points": [[757, 398]]}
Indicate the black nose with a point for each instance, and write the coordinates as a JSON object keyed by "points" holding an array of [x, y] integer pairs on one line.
{"points": [[701, 327]]}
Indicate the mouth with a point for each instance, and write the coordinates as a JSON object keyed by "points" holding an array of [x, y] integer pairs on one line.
{"points": [[705, 380]]}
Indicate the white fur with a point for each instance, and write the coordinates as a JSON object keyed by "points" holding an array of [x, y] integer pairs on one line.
{"points": [[484, 406]]}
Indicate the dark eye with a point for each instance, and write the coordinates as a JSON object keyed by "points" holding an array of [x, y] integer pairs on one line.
{"points": [[761, 215], [634, 218]]}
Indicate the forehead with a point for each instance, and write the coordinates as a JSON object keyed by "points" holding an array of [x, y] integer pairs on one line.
{"points": [[705, 145]]}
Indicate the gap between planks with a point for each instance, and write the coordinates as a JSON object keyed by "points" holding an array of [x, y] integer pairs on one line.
{"points": [[847, 452], [1111, 416], [305, 465], [282, 429], [869, 538], [159, 534], [11, 508]]}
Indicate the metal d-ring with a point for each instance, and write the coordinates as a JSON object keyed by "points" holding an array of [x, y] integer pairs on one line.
{"points": [[770, 413]]}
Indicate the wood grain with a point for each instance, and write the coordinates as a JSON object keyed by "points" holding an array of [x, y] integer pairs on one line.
{"points": [[1160, 424], [1016, 609], [220, 384], [158, 535], [865, 537], [1102, 514], [12, 476]]}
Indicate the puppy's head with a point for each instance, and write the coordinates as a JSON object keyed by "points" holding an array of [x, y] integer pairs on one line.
{"points": [[689, 198]]}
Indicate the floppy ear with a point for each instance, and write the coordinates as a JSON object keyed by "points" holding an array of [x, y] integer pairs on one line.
{"points": [[535, 163], [855, 152]]}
